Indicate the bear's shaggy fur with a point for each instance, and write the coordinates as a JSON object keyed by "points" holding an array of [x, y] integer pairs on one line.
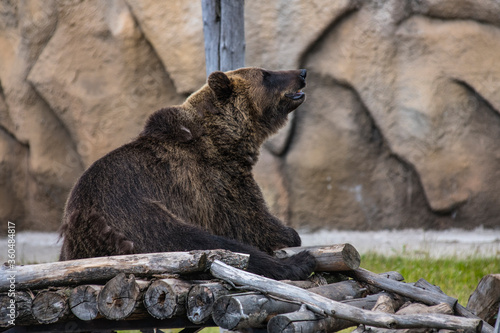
{"points": [[186, 182]]}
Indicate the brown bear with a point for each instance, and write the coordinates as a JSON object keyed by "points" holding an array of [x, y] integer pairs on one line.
{"points": [[186, 182]]}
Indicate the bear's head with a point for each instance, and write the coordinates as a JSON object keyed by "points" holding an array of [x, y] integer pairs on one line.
{"points": [[242, 108], [266, 97], [234, 113]]}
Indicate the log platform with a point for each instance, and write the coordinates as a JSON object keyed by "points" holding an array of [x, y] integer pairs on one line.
{"points": [[162, 290]]}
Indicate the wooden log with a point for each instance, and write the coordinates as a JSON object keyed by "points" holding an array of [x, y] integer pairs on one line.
{"points": [[83, 301], [340, 291], [24, 304], [426, 285], [241, 311], [210, 10], [223, 28], [248, 310], [9, 313], [313, 281], [339, 310], [424, 296], [311, 322], [17, 309], [50, 306], [334, 258], [429, 296], [102, 269], [393, 275], [166, 298], [232, 35], [416, 308], [385, 304], [462, 311], [200, 300], [459, 309], [304, 284], [202, 297], [121, 297], [305, 321], [407, 309], [389, 275], [366, 303], [485, 300], [497, 325]]}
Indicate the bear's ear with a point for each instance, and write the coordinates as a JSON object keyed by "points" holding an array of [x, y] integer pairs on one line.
{"points": [[185, 134], [220, 84], [167, 124]]}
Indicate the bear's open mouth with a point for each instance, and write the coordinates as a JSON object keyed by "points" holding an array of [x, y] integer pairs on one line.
{"points": [[296, 95]]}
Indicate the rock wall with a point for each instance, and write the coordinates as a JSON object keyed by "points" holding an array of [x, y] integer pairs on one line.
{"points": [[401, 127]]}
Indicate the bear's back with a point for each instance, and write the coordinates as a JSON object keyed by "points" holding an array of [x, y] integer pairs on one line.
{"points": [[119, 178]]}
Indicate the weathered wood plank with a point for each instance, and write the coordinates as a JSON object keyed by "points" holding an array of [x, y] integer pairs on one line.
{"points": [[339, 310]]}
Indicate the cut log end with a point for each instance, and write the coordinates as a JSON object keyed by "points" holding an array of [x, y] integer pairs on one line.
{"points": [[166, 298], [117, 300], [200, 301], [83, 302], [334, 258], [160, 300], [50, 306], [351, 257], [227, 312]]}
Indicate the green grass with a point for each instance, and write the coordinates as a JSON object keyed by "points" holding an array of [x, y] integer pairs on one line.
{"points": [[456, 277]]}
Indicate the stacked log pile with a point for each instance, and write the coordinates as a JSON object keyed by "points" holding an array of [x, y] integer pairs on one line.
{"points": [[166, 290]]}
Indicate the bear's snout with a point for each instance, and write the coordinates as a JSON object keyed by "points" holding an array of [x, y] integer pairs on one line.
{"points": [[299, 94], [303, 74]]}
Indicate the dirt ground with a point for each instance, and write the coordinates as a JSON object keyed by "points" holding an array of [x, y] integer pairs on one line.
{"points": [[37, 247]]}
